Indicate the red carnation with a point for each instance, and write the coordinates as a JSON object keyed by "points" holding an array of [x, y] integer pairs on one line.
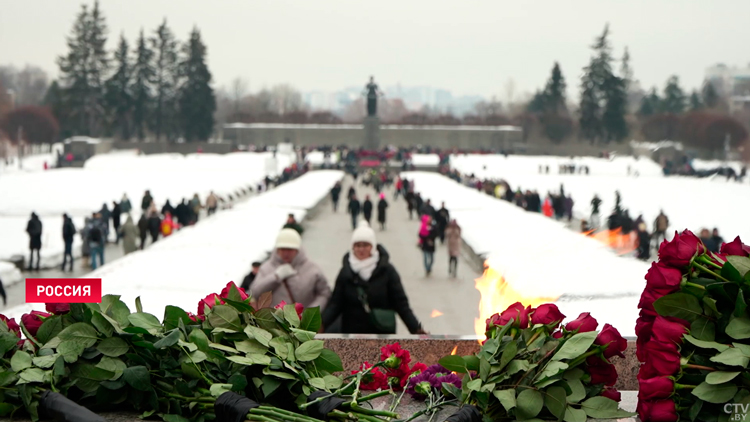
{"points": [[584, 323], [225, 291], [394, 356], [657, 411], [669, 329], [681, 250], [415, 370], [547, 314], [616, 344], [735, 247], [662, 359], [12, 325], [663, 278], [33, 320], [602, 372], [374, 380], [611, 394], [58, 308], [655, 388]]}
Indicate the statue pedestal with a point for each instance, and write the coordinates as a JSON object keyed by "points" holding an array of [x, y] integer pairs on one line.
{"points": [[371, 126]]}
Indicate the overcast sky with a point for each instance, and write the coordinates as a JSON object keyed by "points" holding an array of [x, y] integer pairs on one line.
{"points": [[468, 47]]}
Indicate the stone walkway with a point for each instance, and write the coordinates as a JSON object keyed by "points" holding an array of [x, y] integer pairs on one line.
{"points": [[327, 238]]}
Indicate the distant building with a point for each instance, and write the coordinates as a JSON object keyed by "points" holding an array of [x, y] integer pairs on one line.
{"points": [[731, 83]]}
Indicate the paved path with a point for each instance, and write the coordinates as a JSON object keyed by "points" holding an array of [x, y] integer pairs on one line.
{"points": [[327, 238]]}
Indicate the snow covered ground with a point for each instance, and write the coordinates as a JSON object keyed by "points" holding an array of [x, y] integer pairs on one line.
{"points": [[79, 191], [182, 269], [9, 274], [688, 202], [318, 158], [32, 162], [538, 256]]}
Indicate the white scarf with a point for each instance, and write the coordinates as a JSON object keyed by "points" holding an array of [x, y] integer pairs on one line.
{"points": [[364, 267]]}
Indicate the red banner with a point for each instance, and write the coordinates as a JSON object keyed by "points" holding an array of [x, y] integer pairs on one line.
{"points": [[63, 290]]}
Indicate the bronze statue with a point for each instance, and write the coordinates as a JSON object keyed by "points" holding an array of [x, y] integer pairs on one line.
{"points": [[372, 93]]}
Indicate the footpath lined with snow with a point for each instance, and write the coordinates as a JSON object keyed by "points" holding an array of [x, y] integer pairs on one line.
{"points": [[195, 261]]}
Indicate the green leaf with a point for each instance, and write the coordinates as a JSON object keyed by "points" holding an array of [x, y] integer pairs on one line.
{"points": [[574, 415], [225, 316], [309, 350], [88, 377], [555, 400], [169, 340], [137, 377], [577, 391], [138, 306], [223, 348], [81, 333], [174, 418], [290, 315], [740, 263], [453, 363], [279, 346], [114, 365], [720, 393], [679, 305], [328, 361], [553, 368], [30, 375], [732, 357], [303, 335], [113, 307], [730, 273], [278, 374], [484, 368], [740, 305], [311, 319], [703, 329], [113, 347], [249, 360], [575, 346], [695, 409], [506, 397], [604, 408], [50, 328], [474, 385], [102, 324], [318, 383], [528, 404], [193, 357], [199, 338], [20, 361], [705, 344], [70, 350], [508, 354], [250, 346], [191, 347], [146, 321], [262, 336], [471, 362], [219, 389], [739, 328], [518, 365], [332, 382], [7, 342], [240, 306], [720, 377], [269, 385], [44, 361], [173, 315], [7, 378]]}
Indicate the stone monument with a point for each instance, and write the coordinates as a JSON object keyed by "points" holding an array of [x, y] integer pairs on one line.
{"points": [[372, 122]]}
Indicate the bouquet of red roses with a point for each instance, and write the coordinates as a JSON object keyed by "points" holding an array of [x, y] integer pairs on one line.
{"points": [[693, 332]]}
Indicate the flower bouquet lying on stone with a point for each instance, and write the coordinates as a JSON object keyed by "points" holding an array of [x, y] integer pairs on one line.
{"points": [[694, 333], [532, 368], [229, 362]]}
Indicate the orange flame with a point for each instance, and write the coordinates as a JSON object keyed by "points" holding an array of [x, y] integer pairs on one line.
{"points": [[496, 296], [435, 313], [615, 239], [455, 349]]}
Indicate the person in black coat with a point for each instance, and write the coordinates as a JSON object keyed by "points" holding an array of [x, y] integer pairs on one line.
{"points": [[644, 242], [354, 209], [116, 213], [143, 229], [34, 229], [105, 215], [182, 212], [411, 203], [154, 226], [367, 208], [382, 205], [367, 278], [68, 232], [335, 195], [248, 280], [442, 217], [167, 208]]}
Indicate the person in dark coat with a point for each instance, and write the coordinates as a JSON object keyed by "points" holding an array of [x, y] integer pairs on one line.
{"points": [[146, 201], [167, 208], [143, 229], [291, 223], [182, 213], [644, 242], [104, 215], [419, 204], [34, 229], [97, 239], [351, 193], [442, 217], [68, 232], [116, 213], [411, 202], [367, 208], [2, 293], [335, 195], [248, 280], [717, 239], [427, 235], [154, 226], [125, 206], [367, 280], [354, 208], [382, 205], [568, 207]]}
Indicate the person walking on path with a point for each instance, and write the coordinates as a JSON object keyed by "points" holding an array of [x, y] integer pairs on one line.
{"points": [[291, 223], [644, 242], [96, 240], [143, 230], [547, 207], [368, 282], [68, 232], [154, 226], [354, 208], [382, 206], [351, 193], [399, 188], [568, 207], [442, 217], [419, 204], [411, 202], [595, 220], [125, 205], [367, 208], [427, 237], [129, 235], [167, 208], [85, 246], [146, 201], [195, 206], [291, 276], [661, 224], [453, 233], [104, 216], [212, 202], [335, 195], [116, 214], [248, 280], [168, 225], [34, 229]]}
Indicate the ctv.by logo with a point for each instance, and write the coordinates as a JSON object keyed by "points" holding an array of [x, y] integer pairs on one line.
{"points": [[738, 411]]}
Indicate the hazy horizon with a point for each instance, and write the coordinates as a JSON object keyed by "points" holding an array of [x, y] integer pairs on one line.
{"points": [[468, 48]]}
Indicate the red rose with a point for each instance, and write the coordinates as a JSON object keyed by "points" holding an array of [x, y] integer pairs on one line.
{"points": [[209, 301], [655, 388], [615, 343], [12, 325], [611, 394], [681, 250], [584, 323], [492, 321], [394, 356], [374, 379], [669, 329], [602, 372], [735, 247], [32, 321], [195, 318], [643, 330], [58, 308], [517, 313], [557, 334], [661, 359], [280, 305], [663, 278], [547, 314], [299, 308], [650, 295], [225, 291], [657, 411]]}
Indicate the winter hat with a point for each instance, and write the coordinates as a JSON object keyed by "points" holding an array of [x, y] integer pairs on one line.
{"points": [[364, 233], [288, 239], [382, 195]]}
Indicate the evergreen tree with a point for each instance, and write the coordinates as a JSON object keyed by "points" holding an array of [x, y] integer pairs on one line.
{"points": [[197, 100], [710, 96], [56, 101], [118, 97], [143, 79], [537, 103], [166, 80], [596, 74], [613, 117], [650, 104], [554, 93], [625, 70], [674, 97], [590, 120], [695, 101]]}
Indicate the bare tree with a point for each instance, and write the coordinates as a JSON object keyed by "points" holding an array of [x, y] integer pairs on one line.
{"points": [[510, 92], [239, 91]]}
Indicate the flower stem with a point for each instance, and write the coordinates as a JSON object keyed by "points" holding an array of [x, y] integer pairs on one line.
{"points": [[579, 360], [534, 337], [354, 381], [696, 285], [693, 366], [371, 412], [704, 259], [374, 396], [706, 270], [683, 386]]}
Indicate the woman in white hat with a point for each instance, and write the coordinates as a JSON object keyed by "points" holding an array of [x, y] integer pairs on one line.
{"points": [[368, 292], [290, 276]]}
